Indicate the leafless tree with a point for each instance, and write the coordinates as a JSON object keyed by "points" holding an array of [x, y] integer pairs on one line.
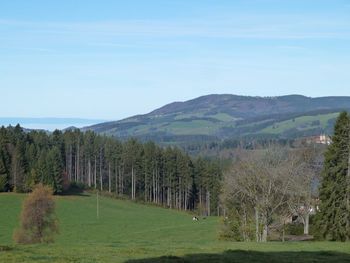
{"points": [[303, 190], [261, 181]]}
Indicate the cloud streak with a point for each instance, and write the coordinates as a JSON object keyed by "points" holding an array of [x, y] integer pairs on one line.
{"points": [[240, 28]]}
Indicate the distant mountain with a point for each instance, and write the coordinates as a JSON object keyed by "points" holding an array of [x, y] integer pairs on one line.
{"points": [[214, 117], [47, 123]]}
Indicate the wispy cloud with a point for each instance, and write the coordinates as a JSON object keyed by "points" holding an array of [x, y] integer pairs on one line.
{"points": [[239, 28]]}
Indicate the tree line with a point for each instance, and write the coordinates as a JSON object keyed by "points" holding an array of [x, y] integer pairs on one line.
{"points": [[139, 171]]}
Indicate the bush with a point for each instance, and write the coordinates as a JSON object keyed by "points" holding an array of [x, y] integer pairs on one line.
{"points": [[234, 228], [3, 183], [230, 230], [5, 248], [38, 220], [296, 229], [74, 188]]}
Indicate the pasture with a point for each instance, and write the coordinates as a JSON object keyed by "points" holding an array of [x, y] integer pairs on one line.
{"points": [[130, 232]]}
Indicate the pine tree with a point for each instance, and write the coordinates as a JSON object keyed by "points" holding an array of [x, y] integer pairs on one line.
{"points": [[333, 218], [4, 169], [55, 169], [19, 167]]}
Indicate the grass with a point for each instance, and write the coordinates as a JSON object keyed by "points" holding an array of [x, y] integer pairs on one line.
{"points": [[223, 117], [129, 232], [195, 127], [302, 123]]}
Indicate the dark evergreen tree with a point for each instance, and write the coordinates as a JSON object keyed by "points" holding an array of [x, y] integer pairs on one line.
{"points": [[54, 165], [19, 167], [4, 169], [334, 215]]}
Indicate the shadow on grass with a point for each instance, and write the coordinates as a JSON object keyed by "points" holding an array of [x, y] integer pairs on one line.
{"points": [[83, 194], [240, 256], [5, 248]]}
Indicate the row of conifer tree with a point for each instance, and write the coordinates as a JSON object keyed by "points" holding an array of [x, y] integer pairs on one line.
{"points": [[139, 171]]}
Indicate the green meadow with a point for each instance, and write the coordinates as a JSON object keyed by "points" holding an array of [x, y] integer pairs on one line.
{"points": [[130, 232], [300, 123]]}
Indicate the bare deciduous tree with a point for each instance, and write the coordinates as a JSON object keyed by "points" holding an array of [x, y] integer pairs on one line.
{"points": [[261, 180], [302, 199]]}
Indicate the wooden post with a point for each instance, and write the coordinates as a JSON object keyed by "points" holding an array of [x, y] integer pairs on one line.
{"points": [[97, 206]]}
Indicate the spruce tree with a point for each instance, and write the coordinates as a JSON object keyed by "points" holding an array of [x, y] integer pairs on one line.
{"points": [[19, 167], [333, 217], [4, 170], [55, 169]]}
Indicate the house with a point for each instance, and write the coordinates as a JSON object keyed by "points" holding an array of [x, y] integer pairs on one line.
{"points": [[320, 139]]}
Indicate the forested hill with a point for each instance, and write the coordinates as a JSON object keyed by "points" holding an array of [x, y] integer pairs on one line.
{"points": [[215, 117]]}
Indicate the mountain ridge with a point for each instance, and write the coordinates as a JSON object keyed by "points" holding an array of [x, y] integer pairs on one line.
{"points": [[221, 116]]}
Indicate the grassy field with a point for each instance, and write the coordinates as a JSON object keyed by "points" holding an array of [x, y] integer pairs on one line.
{"points": [[301, 123], [129, 232]]}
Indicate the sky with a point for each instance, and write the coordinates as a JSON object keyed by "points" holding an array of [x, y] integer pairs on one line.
{"points": [[110, 59]]}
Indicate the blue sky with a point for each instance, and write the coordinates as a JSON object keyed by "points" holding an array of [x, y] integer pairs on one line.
{"points": [[110, 59]]}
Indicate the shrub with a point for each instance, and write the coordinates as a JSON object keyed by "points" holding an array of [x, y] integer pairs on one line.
{"points": [[296, 229], [38, 220], [3, 183], [5, 248], [235, 228], [75, 188]]}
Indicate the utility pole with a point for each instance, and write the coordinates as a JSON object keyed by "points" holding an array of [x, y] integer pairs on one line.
{"points": [[97, 206]]}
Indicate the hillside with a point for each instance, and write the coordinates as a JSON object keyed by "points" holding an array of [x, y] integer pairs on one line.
{"points": [[129, 231], [224, 116]]}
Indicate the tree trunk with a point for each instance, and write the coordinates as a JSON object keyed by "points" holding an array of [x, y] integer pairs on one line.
{"points": [[89, 177], [200, 200], [95, 172], [70, 162], [265, 229], [257, 235], [75, 166], [132, 182], [154, 188], [146, 186], [78, 162], [306, 224], [116, 178], [135, 184], [101, 177], [208, 203], [109, 178], [120, 180], [264, 234]]}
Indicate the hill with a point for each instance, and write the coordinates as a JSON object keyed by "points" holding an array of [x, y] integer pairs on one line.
{"points": [[127, 230], [217, 117]]}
